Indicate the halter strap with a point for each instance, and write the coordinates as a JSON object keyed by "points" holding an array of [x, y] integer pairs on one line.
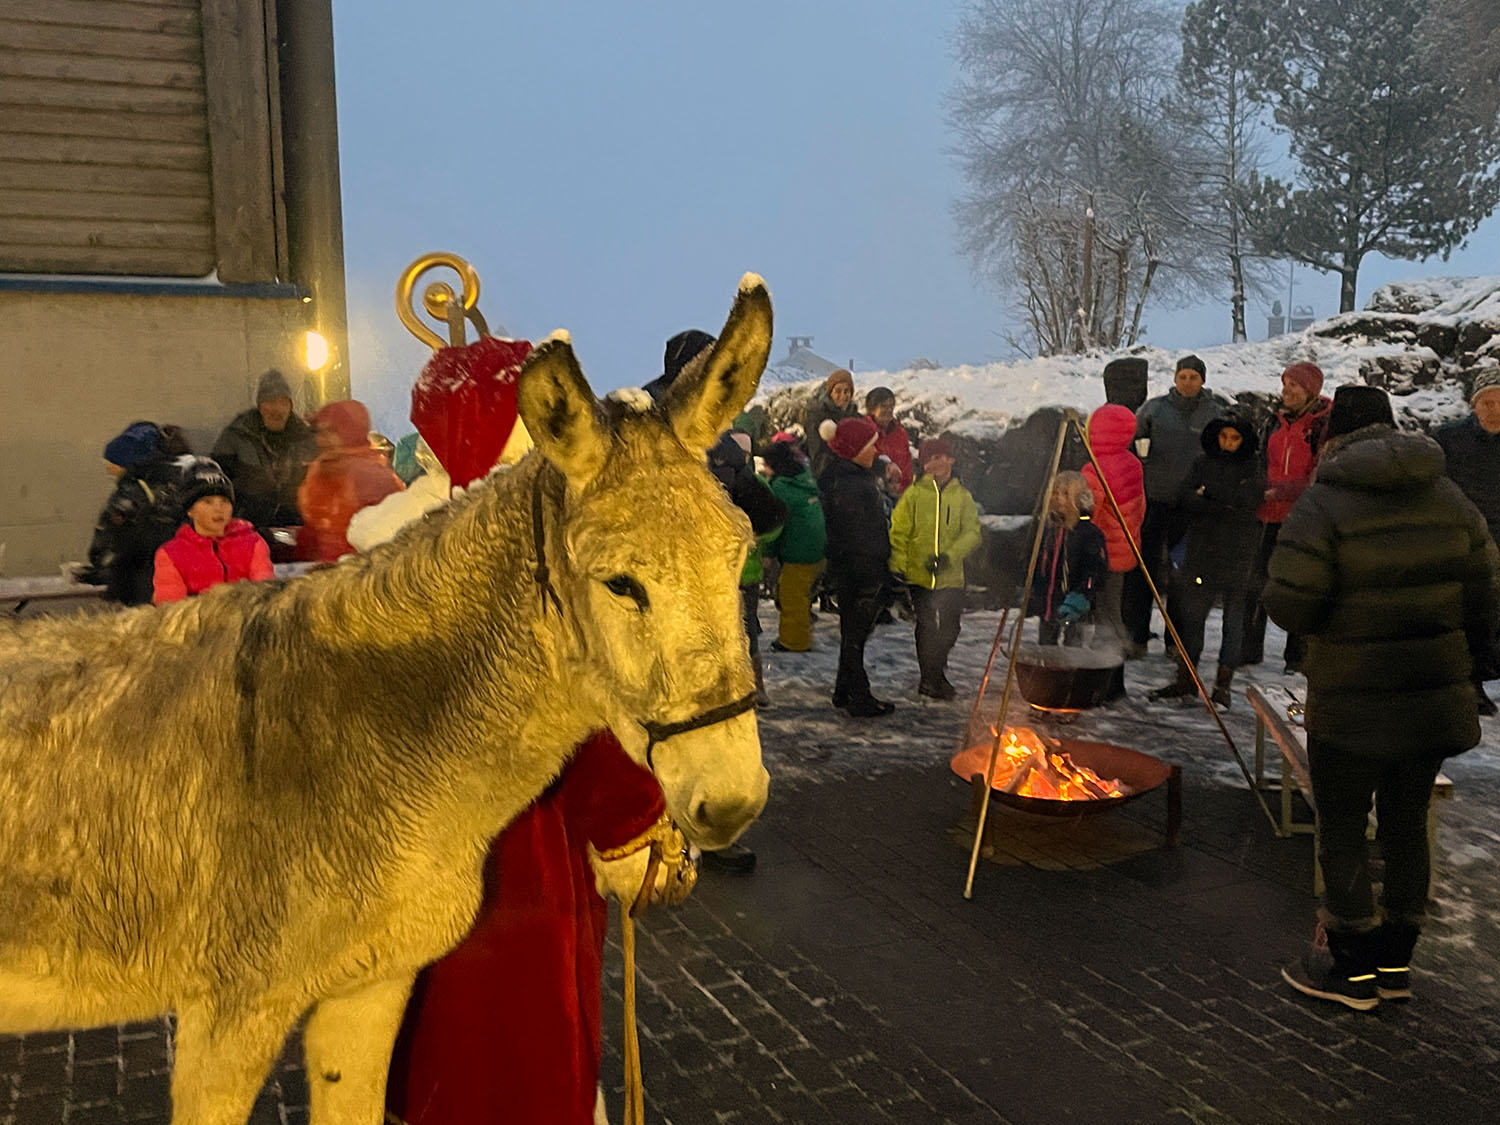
{"points": [[660, 732], [539, 537]]}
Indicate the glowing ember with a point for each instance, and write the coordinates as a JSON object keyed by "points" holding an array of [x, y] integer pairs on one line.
{"points": [[1033, 766]]}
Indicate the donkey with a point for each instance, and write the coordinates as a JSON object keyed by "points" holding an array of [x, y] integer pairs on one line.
{"points": [[272, 801]]}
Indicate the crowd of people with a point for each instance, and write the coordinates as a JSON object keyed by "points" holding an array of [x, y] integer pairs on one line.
{"points": [[275, 486]]}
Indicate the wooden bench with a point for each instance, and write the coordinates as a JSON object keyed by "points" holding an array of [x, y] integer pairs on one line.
{"points": [[1291, 741]]}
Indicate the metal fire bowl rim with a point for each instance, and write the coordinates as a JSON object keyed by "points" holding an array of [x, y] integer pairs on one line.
{"points": [[1141, 771]]}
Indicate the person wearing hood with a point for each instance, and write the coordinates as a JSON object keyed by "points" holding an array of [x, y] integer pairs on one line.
{"points": [[893, 443], [347, 475], [1220, 496], [1111, 429], [859, 548], [1471, 452], [1389, 571], [1167, 433], [142, 512], [833, 403], [265, 451], [211, 547], [1291, 458], [800, 546], [934, 527]]}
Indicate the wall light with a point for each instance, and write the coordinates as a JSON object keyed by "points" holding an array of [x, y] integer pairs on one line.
{"points": [[315, 351]]}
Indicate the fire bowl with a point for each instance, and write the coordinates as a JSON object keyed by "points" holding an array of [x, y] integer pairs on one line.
{"points": [[1140, 773], [1056, 678]]}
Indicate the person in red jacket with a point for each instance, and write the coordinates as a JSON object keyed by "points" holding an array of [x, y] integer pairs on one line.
{"points": [[1291, 459], [347, 475], [1111, 430], [893, 443], [212, 546]]}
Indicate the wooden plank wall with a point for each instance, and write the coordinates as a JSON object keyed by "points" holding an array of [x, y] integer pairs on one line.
{"points": [[121, 152]]}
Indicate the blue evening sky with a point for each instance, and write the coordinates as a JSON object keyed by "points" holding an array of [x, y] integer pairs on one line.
{"points": [[613, 168]]}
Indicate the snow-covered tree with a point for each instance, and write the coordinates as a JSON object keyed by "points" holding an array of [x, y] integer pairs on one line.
{"points": [[1081, 200], [1391, 156]]}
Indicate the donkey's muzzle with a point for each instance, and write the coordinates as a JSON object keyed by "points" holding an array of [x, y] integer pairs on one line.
{"points": [[716, 822]]}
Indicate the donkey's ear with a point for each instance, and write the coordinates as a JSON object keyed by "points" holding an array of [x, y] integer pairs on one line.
{"points": [[707, 396], [560, 411]]}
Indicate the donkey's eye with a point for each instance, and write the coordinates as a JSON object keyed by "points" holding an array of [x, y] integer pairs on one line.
{"points": [[624, 586]]}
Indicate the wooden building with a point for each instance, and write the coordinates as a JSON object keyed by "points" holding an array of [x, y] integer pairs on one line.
{"points": [[170, 227]]}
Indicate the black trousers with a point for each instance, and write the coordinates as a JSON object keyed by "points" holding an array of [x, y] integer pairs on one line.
{"points": [[939, 615], [859, 584], [1163, 528], [1343, 786], [1255, 612]]}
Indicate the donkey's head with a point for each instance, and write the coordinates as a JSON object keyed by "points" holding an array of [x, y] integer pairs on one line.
{"points": [[647, 551]]}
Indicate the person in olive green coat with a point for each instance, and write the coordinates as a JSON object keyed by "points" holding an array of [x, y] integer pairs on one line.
{"points": [[1389, 572], [934, 527]]}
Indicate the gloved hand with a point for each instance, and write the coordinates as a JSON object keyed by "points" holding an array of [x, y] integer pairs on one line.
{"points": [[1074, 606], [933, 565]]}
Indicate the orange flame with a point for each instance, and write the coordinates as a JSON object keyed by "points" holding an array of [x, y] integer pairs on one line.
{"points": [[1028, 767]]}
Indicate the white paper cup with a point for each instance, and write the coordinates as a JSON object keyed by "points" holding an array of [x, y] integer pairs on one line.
{"points": [[1142, 447]]}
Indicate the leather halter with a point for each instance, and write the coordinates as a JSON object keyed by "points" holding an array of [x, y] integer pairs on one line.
{"points": [[655, 732]]}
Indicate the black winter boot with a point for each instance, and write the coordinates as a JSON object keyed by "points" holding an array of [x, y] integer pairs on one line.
{"points": [[1222, 696], [1338, 966], [1179, 688], [1394, 943]]}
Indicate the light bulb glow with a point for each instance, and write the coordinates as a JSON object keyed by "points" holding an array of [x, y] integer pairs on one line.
{"points": [[315, 351]]}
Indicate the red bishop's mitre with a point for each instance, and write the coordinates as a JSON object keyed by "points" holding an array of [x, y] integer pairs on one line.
{"points": [[464, 404]]}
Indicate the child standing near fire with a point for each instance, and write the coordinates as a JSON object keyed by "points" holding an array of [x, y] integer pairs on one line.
{"points": [[1072, 566]]}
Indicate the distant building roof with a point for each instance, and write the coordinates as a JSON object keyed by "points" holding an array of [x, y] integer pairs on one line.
{"points": [[801, 362]]}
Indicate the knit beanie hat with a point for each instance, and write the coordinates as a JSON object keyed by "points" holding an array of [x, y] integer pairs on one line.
{"points": [[272, 385], [1308, 376], [783, 461], [1485, 381], [201, 478], [852, 435], [138, 441], [681, 350], [877, 396], [1125, 381], [1356, 406], [933, 447], [842, 375], [1192, 363]]}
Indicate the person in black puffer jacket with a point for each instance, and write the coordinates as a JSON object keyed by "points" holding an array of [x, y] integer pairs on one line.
{"points": [[1220, 496], [142, 513], [859, 550], [1389, 571]]}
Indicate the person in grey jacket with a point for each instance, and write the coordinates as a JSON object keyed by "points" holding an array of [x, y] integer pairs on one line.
{"points": [[1389, 571], [265, 452], [1168, 439]]}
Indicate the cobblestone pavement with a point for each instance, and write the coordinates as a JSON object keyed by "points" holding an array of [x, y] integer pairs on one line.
{"points": [[1096, 975]]}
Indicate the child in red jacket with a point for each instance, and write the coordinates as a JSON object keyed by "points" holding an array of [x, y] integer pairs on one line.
{"points": [[211, 546]]}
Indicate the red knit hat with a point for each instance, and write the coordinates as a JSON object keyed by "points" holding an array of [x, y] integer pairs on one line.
{"points": [[1308, 376], [852, 435], [933, 447]]}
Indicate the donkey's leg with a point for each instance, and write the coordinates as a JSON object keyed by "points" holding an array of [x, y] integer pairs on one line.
{"points": [[348, 1042], [220, 1064]]}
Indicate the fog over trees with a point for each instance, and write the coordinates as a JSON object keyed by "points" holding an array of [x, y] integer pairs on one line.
{"points": [[1120, 152]]}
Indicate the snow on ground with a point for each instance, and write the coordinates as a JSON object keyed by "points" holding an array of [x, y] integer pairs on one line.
{"points": [[979, 401]]}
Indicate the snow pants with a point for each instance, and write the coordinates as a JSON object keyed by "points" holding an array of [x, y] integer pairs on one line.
{"points": [[794, 600], [1343, 786]]}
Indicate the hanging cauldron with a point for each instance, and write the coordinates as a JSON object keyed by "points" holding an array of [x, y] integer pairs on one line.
{"points": [[1060, 678]]}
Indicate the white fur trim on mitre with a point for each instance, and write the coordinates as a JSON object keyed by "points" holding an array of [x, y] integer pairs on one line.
{"points": [[827, 428], [632, 398]]}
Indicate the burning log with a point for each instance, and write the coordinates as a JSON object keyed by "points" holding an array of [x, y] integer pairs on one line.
{"points": [[1036, 766]]}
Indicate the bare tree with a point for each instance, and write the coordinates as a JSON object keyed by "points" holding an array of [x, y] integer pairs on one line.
{"points": [[1081, 200]]}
